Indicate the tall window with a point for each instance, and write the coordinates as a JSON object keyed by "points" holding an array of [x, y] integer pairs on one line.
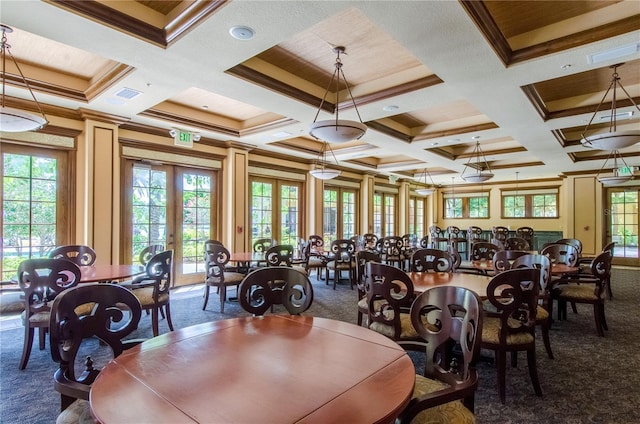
{"points": [[530, 203], [149, 209], [275, 210], [417, 216], [623, 221], [339, 217], [196, 220], [35, 196], [384, 214], [466, 205]]}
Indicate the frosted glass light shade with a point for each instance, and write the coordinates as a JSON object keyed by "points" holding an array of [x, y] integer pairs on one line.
{"points": [[425, 191], [614, 140], [341, 131], [16, 120], [324, 174], [478, 177]]}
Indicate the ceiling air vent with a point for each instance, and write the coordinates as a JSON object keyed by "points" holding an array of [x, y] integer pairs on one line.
{"points": [[128, 93]]}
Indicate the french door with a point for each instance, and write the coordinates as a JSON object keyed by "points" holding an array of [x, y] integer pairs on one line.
{"points": [[622, 223], [173, 206], [275, 210]]}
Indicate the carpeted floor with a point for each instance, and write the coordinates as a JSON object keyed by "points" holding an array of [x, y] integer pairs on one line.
{"points": [[592, 379]]}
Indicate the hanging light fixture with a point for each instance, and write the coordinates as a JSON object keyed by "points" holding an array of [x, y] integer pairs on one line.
{"points": [[320, 171], [621, 174], [612, 139], [482, 170], [337, 130], [429, 189], [12, 119]]}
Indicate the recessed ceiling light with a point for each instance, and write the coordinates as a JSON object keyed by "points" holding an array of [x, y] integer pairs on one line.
{"points": [[281, 134], [434, 144], [205, 107], [567, 66], [453, 140], [242, 32], [390, 108], [475, 137]]}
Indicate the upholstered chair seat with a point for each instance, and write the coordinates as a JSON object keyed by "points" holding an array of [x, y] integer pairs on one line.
{"points": [[407, 331], [79, 412], [491, 333], [448, 413], [579, 292]]}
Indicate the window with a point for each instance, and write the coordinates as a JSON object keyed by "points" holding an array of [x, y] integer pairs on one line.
{"points": [[536, 203], [35, 194], [275, 210], [466, 205], [416, 216], [339, 217], [384, 214]]}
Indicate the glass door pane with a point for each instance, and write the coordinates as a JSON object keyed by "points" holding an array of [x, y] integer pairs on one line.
{"points": [[261, 210], [289, 210], [148, 208], [195, 221], [622, 213], [330, 218]]}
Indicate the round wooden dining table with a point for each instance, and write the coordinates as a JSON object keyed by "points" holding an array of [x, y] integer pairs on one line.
{"points": [[108, 273], [271, 369], [423, 281]]}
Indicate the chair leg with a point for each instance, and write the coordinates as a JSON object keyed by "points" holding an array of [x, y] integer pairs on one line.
{"points": [[223, 297], [26, 348], [154, 320], [603, 317], [545, 336], [514, 359], [42, 332], [206, 296], [573, 307], [501, 365], [168, 314], [533, 371]]}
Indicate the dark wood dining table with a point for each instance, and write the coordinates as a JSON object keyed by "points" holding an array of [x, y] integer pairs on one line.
{"points": [[270, 369], [108, 273], [423, 281]]}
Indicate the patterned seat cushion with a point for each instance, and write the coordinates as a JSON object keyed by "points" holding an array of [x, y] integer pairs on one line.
{"points": [[233, 277], [315, 262], [449, 413], [578, 292], [491, 333], [541, 314], [145, 296], [79, 412], [407, 331], [11, 303]]}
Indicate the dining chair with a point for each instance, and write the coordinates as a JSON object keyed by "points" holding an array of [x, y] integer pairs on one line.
{"points": [[526, 233], [560, 253], [267, 287], [152, 288], [313, 261], [424, 260], [147, 253], [516, 243], [41, 280], [389, 296], [424, 242], [457, 239], [499, 233], [572, 241], [588, 288], [439, 239], [369, 241], [342, 259], [545, 302], [78, 254], [449, 322], [584, 263], [474, 233], [503, 259], [216, 274], [511, 326], [261, 245], [113, 316], [392, 251], [362, 258], [483, 251]]}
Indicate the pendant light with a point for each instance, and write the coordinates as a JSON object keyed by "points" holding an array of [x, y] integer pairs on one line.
{"points": [[12, 119], [428, 189], [320, 171], [337, 130], [482, 170], [620, 174], [612, 139]]}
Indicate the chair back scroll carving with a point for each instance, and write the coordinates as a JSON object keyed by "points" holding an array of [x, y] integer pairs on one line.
{"points": [[424, 260], [275, 285], [78, 254]]}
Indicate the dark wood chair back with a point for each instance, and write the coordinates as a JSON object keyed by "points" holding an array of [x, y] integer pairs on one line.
{"points": [[503, 259], [278, 285], [78, 254], [113, 315], [566, 254], [424, 242], [483, 250], [572, 241], [389, 292], [316, 242], [392, 248], [263, 244], [474, 234], [343, 251], [147, 253], [540, 262], [499, 233], [369, 241], [526, 233], [362, 258], [42, 280], [449, 320], [516, 243], [279, 255], [424, 260]]}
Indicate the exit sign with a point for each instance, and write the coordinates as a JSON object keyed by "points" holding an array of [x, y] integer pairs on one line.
{"points": [[183, 138], [625, 170]]}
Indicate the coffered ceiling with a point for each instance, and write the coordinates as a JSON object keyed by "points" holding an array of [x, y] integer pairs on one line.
{"points": [[429, 78]]}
